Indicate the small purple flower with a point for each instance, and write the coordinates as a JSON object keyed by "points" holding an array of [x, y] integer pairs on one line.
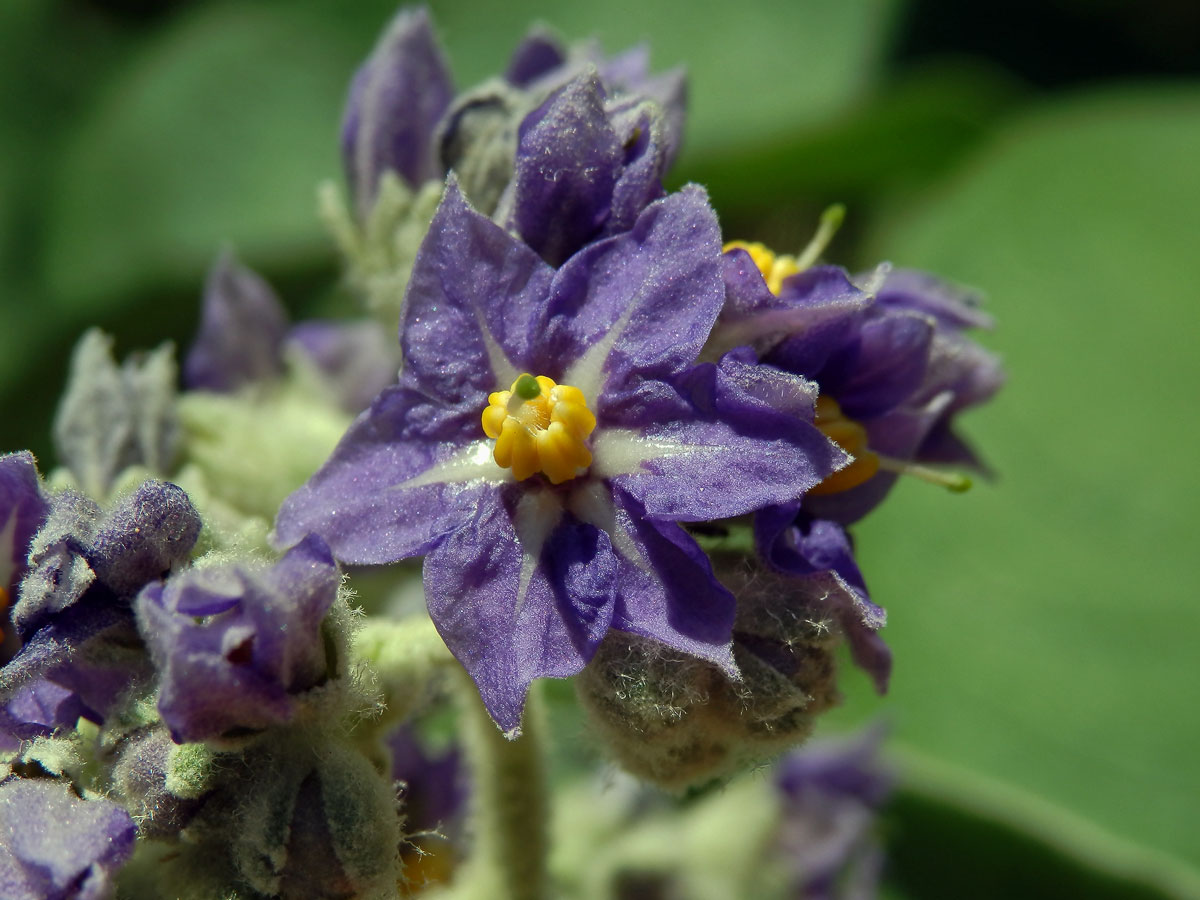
{"points": [[236, 644], [82, 552], [585, 168], [893, 368], [55, 846], [396, 100], [74, 615], [542, 62], [39, 708], [831, 796], [539, 543]]}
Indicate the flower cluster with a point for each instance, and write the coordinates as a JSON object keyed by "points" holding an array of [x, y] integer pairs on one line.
{"points": [[625, 447]]}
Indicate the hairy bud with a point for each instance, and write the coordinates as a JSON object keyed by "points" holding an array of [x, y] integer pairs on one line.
{"points": [[679, 721]]}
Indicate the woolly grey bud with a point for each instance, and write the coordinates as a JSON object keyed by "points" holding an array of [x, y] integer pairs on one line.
{"points": [[112, 417], [314, 820], [477, 139], [679, 721], [141, 779]]}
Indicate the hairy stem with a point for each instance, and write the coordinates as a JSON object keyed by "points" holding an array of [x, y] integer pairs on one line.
{"points": [[510, 802]]}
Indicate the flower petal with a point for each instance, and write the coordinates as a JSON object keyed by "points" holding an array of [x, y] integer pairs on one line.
{"points": [[521, 591], [23, 509], [641, 304], [815, 313], [405, 474], [53, 844], [736, 438], [952, 306], [538, 53], [242, 327], [666, 590], [474, 307], [883, 367], [819, 550], [640, 129]]}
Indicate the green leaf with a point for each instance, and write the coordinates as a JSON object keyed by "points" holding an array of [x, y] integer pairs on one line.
{"points": [[752, 74], [219, 130], [1045, 626], [951, 834]]}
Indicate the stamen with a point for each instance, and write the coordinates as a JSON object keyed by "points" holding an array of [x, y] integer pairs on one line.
{"points": [[831, 221], [777, 268], [852, 437], [540, 426], [951, 481]]}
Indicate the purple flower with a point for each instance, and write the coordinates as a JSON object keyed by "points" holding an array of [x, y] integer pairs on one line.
{"points": [[236, 644], [39, 708], [54, 846], [832, 793], [23, 508], [74, 615], [893, 368], [245, 336], [242, 328], [403, 116], [585, 167], [542, 62], [539, 543], [396, 100]]}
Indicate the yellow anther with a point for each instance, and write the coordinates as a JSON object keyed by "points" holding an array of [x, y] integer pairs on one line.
{"points": [[852, 438], [542, 433], [773, 267]]}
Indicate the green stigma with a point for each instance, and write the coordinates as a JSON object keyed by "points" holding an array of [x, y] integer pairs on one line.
{"points": [[527, 387]]}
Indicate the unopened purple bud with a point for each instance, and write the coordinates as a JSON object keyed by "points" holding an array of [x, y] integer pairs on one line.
{"points": [[236, 644], [396, 100], [242, 328]]}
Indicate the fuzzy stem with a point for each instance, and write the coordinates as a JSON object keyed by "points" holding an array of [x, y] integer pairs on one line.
{"points": [[510, 808]]}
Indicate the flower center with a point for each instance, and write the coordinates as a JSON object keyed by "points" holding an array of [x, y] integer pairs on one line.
{"points": [[774, 267], [540, 426], [852, 438]]}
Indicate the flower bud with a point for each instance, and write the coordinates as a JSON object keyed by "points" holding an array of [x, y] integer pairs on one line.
{"points": [[679, 721]]}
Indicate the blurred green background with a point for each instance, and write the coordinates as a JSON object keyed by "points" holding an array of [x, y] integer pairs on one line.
{"points": [[1047, 689]]}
